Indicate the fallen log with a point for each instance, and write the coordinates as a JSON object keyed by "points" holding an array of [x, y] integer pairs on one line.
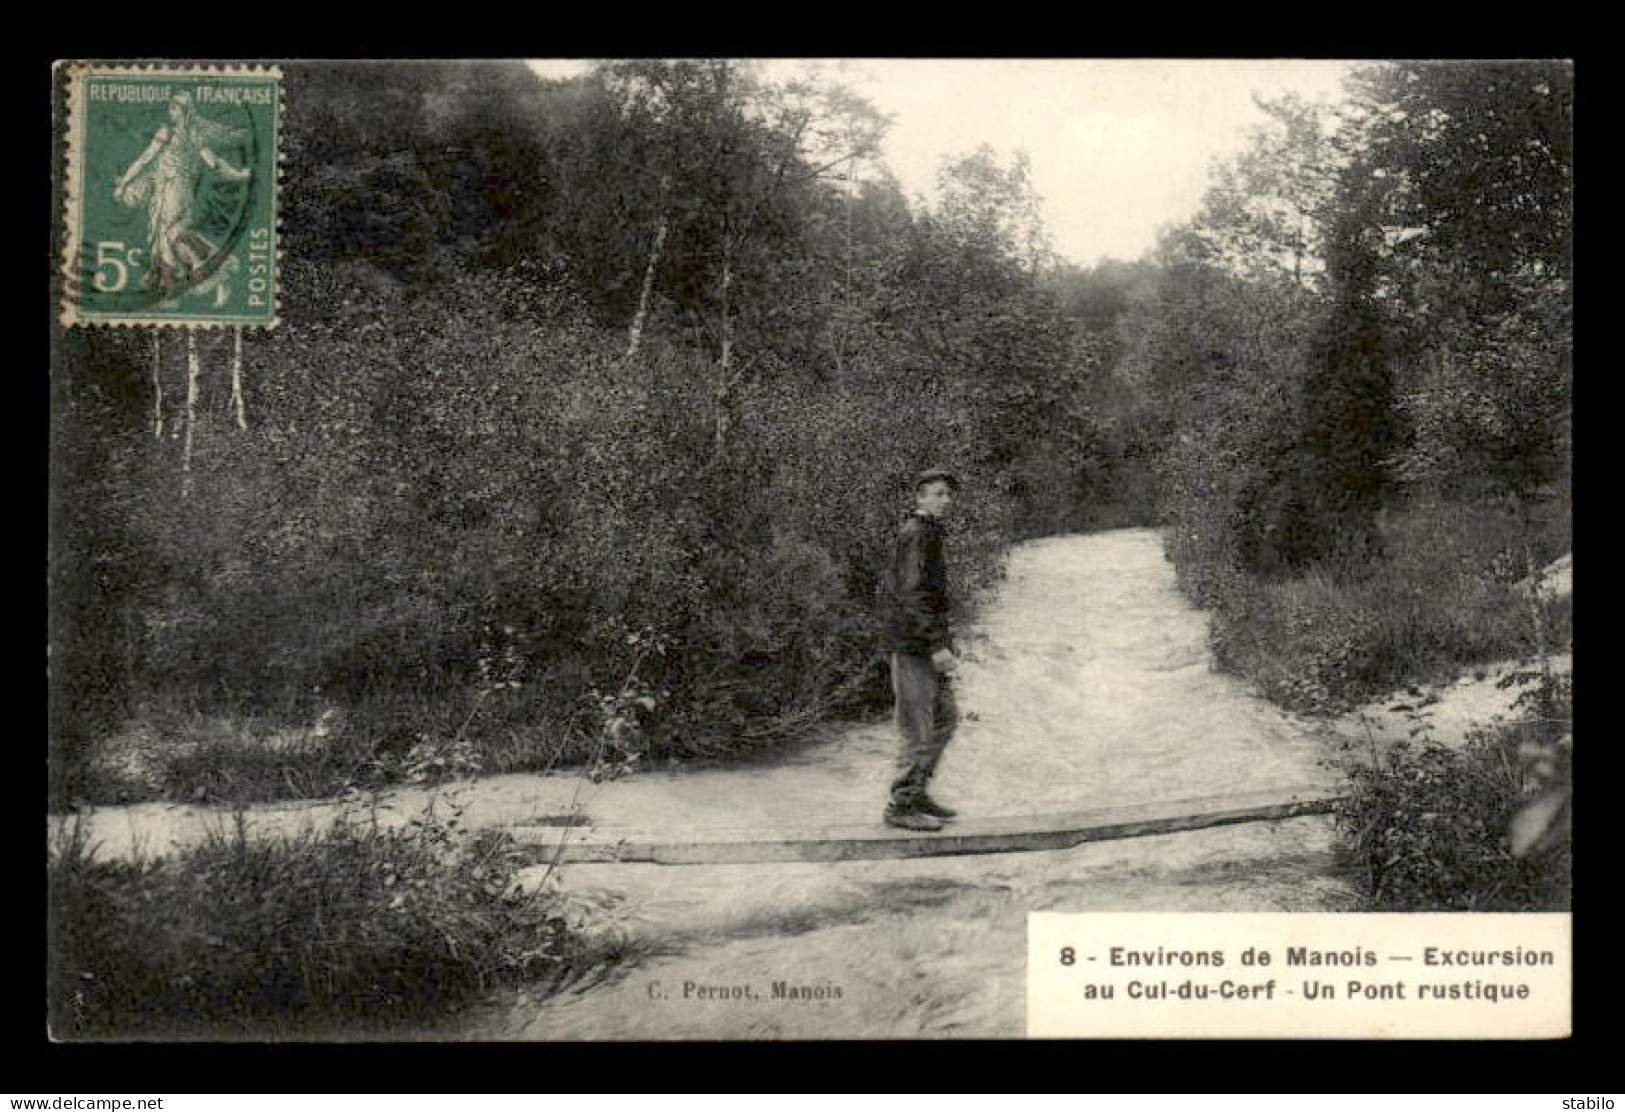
{"points": [[876, 841]]}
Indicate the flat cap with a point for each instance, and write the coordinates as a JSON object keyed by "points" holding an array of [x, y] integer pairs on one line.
{"points": [[934, 474]]}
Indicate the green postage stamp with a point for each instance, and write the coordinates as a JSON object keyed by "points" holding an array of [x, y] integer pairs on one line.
{"points": [[170, 213]]}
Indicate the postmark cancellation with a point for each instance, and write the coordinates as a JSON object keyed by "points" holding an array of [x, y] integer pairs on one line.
{"points": [[170, 195]]}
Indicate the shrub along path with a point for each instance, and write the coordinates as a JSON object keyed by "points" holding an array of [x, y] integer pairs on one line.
{"points": [[1446, 713]]}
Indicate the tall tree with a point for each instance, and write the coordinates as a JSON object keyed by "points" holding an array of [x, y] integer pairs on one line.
{"points": [[732, 169], [1267, 210], [1471, 168], [994, 209], [1350, 422], [1478, 159]]}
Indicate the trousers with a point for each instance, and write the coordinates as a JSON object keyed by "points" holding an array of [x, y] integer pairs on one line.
{"points": [[927, 714]]}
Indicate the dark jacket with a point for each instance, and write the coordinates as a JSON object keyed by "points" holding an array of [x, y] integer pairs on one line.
{"points": [[914, 591]]}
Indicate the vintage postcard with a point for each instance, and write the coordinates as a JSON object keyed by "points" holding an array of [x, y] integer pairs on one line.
{"points": [[838, 549]]}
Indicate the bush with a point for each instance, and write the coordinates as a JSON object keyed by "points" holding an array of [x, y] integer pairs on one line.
{"points": [[1442, 595], [1319, 646], [1482, 828], [1307, 644], [250, 937], [457, 514]]}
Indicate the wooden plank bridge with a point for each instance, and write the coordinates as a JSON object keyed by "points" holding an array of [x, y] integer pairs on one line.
{"points": [[576, 841]]}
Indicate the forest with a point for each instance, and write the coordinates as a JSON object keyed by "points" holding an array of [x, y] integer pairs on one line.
{"points": [[593, 404]]}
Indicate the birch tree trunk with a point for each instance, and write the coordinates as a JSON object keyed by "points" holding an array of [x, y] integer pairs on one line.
{"points": [[842, 315], [636, 333], [157, 385], [237, 376], [724, 395], [191, 411]]}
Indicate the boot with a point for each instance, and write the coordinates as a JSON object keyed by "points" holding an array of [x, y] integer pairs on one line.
{"points": [[911, 819]]}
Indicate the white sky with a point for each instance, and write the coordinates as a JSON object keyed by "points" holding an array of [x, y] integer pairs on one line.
{"points": [[1118, 147]]}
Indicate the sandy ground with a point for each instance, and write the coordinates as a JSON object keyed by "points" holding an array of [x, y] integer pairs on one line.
{"points": [[1445, 711]]}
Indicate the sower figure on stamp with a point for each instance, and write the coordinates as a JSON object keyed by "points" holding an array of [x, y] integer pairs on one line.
{"points": [[165, 180], [922, 652]]}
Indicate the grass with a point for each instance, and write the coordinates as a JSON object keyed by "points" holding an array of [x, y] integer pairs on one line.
{"points": [[185, 755], [1443, 598], [354, 927], [1320, 646]]}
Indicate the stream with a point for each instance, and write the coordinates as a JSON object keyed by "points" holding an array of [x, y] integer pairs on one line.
{"points": [[1087, 683]]}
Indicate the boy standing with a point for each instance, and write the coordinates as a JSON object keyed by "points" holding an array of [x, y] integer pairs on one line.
{"points": [[922, 653]]}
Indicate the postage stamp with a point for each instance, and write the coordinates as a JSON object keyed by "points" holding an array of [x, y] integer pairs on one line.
{"points": [[170, 213]]}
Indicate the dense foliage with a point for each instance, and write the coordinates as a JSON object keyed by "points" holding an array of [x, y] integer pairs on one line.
{"points": [[1483, 827], [1363, 350], [1362, 345], [249, 937], [583, 438]]}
